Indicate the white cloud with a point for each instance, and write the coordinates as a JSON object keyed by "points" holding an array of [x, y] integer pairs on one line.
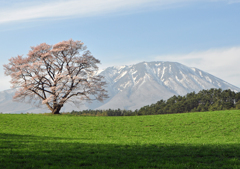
{"points": [[5, 82], [66, 8], [222, 63], [27, 10]]}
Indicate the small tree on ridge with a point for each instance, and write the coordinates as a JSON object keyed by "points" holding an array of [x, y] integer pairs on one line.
{"points": [[54, 75]]}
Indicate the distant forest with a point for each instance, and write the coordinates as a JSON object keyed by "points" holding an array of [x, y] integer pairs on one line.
{"points": [[205, 100]]}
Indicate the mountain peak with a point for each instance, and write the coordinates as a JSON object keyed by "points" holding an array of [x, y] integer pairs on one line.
{"points": [[131, 87]]}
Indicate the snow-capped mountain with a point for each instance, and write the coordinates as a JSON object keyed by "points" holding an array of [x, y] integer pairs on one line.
{"points": [[131, 87]]}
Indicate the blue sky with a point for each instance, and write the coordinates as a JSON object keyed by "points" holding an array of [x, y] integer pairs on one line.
{"points": [[197, 33]]}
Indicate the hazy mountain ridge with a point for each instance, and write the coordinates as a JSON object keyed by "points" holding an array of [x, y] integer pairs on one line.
{"points": [[134, 86]]}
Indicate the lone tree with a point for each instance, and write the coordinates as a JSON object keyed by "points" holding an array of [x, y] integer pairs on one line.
{"points": [[54, 75]]}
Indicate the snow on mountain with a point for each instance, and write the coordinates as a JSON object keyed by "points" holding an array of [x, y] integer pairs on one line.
{"points": [[131, 87]]}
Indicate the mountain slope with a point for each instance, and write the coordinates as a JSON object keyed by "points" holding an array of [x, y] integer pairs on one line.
{"points": [[131, 87]]}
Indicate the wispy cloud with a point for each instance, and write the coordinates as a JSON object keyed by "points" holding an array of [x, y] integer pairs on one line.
{"points": [[26, 10], [223, 63], [65, 8]]}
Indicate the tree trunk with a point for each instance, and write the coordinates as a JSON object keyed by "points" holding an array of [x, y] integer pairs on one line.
{"points": [[57, 109]]}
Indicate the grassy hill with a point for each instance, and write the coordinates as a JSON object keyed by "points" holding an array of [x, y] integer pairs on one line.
{"points": [[188, 140]]}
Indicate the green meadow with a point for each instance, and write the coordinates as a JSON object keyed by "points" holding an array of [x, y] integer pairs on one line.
{"points": [[188, 140]]}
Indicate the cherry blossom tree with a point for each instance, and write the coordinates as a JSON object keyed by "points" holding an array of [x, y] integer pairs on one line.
{"points": [[54, 75]]}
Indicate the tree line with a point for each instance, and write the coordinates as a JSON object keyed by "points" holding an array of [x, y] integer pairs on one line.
{"points": [[204, 100]]}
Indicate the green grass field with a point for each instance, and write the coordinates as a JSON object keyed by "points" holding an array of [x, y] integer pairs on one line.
{"points": [[189, 140]]}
